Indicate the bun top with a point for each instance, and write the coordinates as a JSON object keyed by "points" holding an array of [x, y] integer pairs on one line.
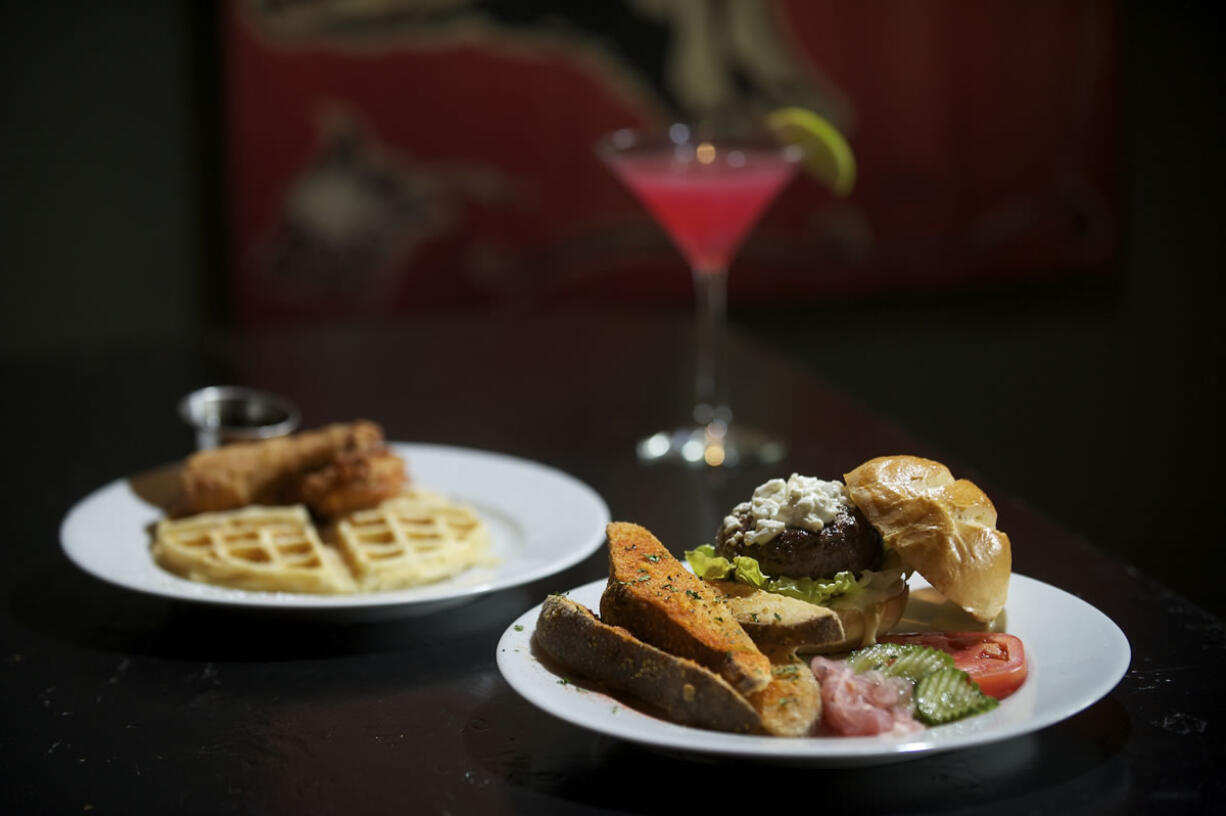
{"points": [[944, 529]]}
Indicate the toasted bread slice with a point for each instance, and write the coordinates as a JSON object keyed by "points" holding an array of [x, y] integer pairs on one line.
{"points": [[688, 693], [792, 704], [776, 622], [651, 594]]}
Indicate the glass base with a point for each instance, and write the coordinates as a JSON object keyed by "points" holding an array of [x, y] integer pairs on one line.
{"points": [[711, 445]]}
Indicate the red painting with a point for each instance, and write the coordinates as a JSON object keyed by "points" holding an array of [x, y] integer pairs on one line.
{"points": [[389, 157]]}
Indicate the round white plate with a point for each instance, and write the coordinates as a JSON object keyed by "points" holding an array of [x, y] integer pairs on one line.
{"points": [[541, 521], [1075, 653]]}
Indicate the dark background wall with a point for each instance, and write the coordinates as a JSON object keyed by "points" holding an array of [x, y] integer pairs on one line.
{"points": [[105, 232], [1100, 405]]}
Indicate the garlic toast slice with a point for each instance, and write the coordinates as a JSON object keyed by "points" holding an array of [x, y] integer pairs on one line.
{"points": [[776, 622], [792, 704], [661, 602], [688, 693]]}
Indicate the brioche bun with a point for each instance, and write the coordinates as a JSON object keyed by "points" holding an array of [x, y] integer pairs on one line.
{"points": [[941, 527], [862, 623]]}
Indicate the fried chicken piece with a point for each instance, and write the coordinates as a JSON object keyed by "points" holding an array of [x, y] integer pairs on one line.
{"points": [[352, 481], [265, 472]]}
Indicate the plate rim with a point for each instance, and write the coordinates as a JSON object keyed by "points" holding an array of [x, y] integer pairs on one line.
{"points": [[814, 751], [182, 589]]}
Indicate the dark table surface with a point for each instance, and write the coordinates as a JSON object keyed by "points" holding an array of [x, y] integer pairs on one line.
{"points": [[116, 702]]}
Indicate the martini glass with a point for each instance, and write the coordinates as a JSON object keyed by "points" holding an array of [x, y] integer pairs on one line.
{"points": [[706, 193]]}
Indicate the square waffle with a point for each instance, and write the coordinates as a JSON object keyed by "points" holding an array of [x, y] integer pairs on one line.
{"points": [[415, 538], [276, 549]]}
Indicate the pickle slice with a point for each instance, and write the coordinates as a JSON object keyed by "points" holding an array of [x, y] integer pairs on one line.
{"points": [[947, 695], [909, 660], [877, 656]]}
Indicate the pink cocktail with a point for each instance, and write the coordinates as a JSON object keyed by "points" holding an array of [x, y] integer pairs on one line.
{"points": [[707, 208], [707, 194]]}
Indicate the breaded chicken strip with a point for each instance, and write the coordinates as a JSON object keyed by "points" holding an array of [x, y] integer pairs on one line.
{"points": [[352, 481], [268, 471]]}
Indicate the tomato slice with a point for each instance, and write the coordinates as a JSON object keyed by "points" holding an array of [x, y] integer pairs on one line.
{"points": [[996, 661]]}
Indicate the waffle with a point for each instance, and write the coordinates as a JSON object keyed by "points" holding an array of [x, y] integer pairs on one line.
{"points": [[414, 538], [275, 549]]}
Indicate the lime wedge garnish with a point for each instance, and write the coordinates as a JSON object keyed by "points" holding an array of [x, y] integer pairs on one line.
{"points": [[827, 154]]}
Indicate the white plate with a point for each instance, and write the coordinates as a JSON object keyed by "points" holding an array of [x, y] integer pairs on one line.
{"points": [[541, 521], [1076, 655]]}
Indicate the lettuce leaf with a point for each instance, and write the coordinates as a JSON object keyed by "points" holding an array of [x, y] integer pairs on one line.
{"points": [[706, 564]]}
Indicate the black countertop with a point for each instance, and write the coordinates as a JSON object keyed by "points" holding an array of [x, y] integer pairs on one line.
{"points": [[116, 702]]}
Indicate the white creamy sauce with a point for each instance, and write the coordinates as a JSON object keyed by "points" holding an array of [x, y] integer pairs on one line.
{"points": [[802, 501]]}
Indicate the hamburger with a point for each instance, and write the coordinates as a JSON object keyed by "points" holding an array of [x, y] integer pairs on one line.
{"points": [[849, 546]]}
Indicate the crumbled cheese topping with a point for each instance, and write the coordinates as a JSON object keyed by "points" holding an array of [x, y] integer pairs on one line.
{"points": [[802, 501]]}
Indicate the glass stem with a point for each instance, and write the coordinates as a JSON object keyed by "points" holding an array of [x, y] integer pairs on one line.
{"points": [[711, 295]]}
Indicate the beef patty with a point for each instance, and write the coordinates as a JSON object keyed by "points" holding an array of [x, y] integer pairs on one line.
{"points": [[848, 542]]}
